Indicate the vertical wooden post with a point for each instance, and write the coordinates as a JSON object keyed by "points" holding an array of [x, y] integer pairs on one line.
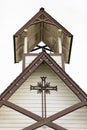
{"points": [[43, 97], [60, 45], [25, 44], [60, 40]]}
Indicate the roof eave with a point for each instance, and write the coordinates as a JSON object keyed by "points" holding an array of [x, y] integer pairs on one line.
{"points": [[55, 67], [31, 22], [70, 49]]}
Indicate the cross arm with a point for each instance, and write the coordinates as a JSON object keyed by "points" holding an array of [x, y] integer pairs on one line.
{"points": [[34, 87], [52, 88]]}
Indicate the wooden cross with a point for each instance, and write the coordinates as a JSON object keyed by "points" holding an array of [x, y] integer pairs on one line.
{"points": [[43, 87]]}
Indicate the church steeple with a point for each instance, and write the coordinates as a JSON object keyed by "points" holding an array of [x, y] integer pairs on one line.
{"points": [[42, 28], [43, 96]]}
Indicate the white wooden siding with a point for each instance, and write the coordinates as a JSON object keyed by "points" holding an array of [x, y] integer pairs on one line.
{"points": [[58, 60], [76, 120], [13, 120], [56, 101], [29, 59], [30, 100]]}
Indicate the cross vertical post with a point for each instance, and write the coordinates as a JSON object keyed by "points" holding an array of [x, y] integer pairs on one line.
{"points": [[43, 87], [43, 97]]}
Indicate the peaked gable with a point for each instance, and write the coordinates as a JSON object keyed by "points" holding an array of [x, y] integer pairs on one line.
{"points": [[43, 57], [42, 27], [46, 17]]}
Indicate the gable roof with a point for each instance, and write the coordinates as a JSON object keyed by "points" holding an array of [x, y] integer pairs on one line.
{"points": [[43, 57], [42, 27]]}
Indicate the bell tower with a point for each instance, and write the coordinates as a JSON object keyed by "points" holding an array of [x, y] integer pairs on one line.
{"points": [[42, 33], [43, 96]]}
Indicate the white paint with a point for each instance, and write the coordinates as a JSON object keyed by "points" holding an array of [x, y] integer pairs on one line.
{"points": [[71, 14], [76, 120], [57, 58], [29, 59], [56, 101], [25, 30], [13, 120], [60, 45], [25, 44]]}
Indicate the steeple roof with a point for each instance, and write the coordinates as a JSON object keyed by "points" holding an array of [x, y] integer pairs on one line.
{"points": [[42, 27]]}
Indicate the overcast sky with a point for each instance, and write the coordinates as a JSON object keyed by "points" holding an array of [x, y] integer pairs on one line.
{"points": [[72, 14]]}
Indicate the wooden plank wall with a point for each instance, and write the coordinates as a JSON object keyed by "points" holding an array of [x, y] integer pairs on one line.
{"points": [[76, 120], [30, 100], [13, 120], [56, 101], [29, 58]]}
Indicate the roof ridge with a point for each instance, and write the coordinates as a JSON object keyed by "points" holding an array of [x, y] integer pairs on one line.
{"points": [[67, 76], [40, 12], [56, 68]]}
